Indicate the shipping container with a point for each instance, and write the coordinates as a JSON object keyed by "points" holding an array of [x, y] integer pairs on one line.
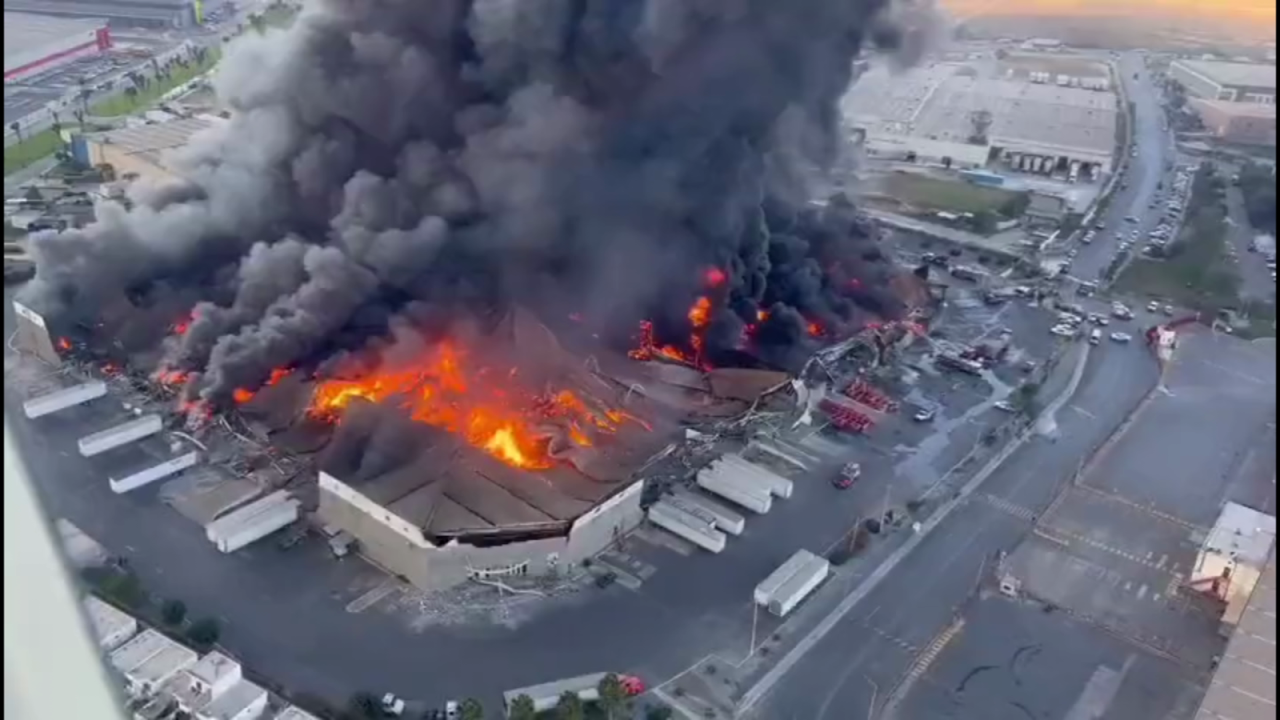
{"points": [[799, 586], [754, 500], [152, 472], [122, 434], [743, 476], [768, 587], [778, 485], [245, 513], [65, 398], [788, 455], [726, 520], [262, 524], [686, 525]]}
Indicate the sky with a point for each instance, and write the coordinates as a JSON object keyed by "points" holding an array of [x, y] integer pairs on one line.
{"points": [[1252, 12]]}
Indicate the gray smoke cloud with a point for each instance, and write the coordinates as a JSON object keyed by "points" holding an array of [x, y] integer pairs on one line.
{"points": [[590, 155]]}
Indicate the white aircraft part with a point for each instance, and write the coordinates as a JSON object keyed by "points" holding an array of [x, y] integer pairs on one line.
{"points": [[768, 588], [778, 485], [122, 434], [159, 471], [756, 501], [726, 520], [691, 528], [65, 398], [799, 586]]}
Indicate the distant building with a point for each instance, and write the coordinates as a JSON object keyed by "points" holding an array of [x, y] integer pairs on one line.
{"points": [[35, 44], [149, 660], [1240, 123], [119, 13], [943, 114], [1229, 81], [1244, 686], [142, 151]]}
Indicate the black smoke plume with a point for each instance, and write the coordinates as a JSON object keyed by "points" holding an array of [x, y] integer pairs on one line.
{"points": [[592, 156]]}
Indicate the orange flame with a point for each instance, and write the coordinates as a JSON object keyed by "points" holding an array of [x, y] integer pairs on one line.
{"points": [[715, 277], [815, 329], [648, 349], [182, 326], [489, 410], [241, 396], [64, 344]]}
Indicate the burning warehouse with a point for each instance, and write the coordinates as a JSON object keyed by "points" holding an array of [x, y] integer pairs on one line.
{"points": [[636, 175]]}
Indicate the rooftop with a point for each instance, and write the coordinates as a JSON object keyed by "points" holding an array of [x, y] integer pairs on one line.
{"points": [[1244, 687], [1244, 534], [25, 32], [293, 712], [199, 684], [234, 701], [97, 10], [109, 623], [1237, 109], [1234, 74], [152, 141], [939, 102], [152, 658]]}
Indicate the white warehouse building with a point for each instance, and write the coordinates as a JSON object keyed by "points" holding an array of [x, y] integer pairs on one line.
{"points": [[943, 114]]}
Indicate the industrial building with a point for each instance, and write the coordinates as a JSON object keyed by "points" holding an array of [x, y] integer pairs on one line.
{"points": [[141, 152], [111, 627], [945, 114], [1238, 123], [119, 13], [1229, 81], [1241, 549], [35, 44]]}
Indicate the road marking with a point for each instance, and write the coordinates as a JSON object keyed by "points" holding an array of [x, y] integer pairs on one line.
{"points": [[756, 693], [1084, 412], [921, 666], [1010, 508], [1145, 509], [371, 598]]}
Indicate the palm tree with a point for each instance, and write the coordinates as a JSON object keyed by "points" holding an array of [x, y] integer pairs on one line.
{"points": [[522, 708], [570, 707]]}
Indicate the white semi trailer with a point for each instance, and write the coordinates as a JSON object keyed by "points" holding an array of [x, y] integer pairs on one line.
{"points": [[799, 586], [132, 480], [726, 520], [742, 494], [253, 521], [60, 400], [697, 530], [779, 486], [122, 434], [768, 587]]}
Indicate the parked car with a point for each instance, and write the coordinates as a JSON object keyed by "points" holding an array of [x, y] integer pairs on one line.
{"points": [[847, 476], [926, 415], [1005, 406], [1121, 337]]}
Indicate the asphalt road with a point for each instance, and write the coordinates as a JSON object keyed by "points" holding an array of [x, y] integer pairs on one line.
{"points": [[1142, 173], [865, 655]]}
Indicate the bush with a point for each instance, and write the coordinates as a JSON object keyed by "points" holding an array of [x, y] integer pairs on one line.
{"points": [[173, 612], [658, 712], [204, 633]]}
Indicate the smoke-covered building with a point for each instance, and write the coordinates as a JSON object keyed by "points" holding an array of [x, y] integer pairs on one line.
{"points": [[1228, 81], [1239, 123], [120, 13], [141, 152], [945, 114], [35, 44]]}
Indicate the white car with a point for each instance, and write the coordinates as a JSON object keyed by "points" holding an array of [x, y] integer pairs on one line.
{"points": [[1121, 337], [1153, 307], [926, 415], [1065, 331], [1006, 406]]}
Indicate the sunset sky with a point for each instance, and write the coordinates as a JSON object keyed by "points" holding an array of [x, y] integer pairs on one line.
{"points": [[1256, 12]]}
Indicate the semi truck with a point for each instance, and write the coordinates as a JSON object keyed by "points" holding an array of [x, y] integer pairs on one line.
{"points": [[726, 520], [122, 434], [735, 490], [252, 522], [778, 486], [60, 400], [788, 586]]}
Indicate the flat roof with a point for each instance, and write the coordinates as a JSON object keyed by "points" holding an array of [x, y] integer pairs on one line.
{"points": [[151, 142], [1233, 74], [1261, 111], [293, 712], [1244, 687], [152, 657], [108, 621], [938, 102], [102, 9], [234, 701], [1242, 533], [26, 32]]}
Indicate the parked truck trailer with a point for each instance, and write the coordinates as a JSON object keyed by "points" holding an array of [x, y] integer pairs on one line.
{"points": [[799, 586], [139, 477], [778, 486], [738, 493], [697, 530], [60, 400], [122, 434], [232, 536], [726, 520], [768, 588]]}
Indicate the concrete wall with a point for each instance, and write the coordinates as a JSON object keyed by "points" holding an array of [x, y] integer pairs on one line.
{"points": [[401, 549]]}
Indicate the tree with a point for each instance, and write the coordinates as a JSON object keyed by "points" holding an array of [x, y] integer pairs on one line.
{"points": [[1027, 399], [173, 612], [570, 707], [471, 710], [16, 127], [613, 696], [658, 712], [205, 632], [522, 708]]}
